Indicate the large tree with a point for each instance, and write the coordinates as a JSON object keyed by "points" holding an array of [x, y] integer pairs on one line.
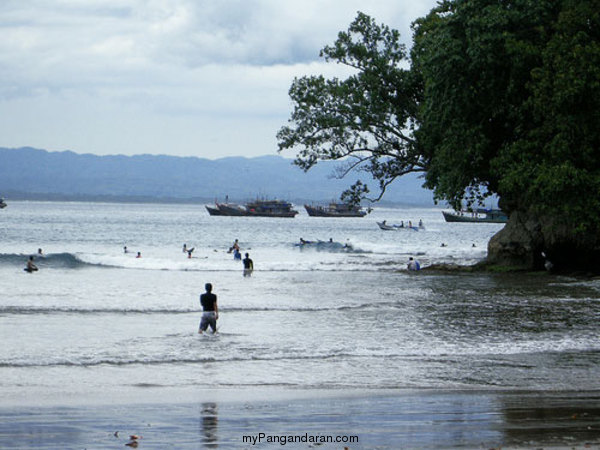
{"points": [[500, 97], [367, 119]]}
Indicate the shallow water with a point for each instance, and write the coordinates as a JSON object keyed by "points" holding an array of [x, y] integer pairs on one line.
{"points": [[96, 321]]}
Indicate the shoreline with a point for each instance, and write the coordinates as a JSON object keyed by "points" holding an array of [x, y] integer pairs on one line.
{"points": [[486, 267], [379, 419]]}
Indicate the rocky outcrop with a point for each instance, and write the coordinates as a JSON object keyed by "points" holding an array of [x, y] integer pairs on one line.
{"points": [[537, 243]]}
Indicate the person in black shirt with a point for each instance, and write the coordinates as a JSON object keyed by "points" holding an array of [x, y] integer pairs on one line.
{"points": [[210, 313], [248, 265]]}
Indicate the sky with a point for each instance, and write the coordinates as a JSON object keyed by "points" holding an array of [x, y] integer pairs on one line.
{"points": [[199, 78]]}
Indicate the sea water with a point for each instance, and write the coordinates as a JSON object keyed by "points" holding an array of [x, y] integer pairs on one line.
{"points": [[97, 321]]}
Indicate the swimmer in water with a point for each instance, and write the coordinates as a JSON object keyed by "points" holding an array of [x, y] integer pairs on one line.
{"points": [[31, 267]]}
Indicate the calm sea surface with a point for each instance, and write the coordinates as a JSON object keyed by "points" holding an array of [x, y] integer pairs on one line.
{"points": [[96, 320]]}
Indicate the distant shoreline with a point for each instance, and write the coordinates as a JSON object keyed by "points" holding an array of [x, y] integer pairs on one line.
{"points": [[35, 174], [23, 196]]}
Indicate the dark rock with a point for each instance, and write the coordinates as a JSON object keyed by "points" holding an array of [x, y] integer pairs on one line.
{"points": [[538, 243]]}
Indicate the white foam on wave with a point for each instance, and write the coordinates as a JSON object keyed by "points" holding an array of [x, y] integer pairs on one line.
{"points": [[175, 263]]}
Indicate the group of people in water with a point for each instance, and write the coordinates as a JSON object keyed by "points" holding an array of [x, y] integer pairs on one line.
{"points": [[208, 300], [126, 250], [235, 249], [237, 256]]}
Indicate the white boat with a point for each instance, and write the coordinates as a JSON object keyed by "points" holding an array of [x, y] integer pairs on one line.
{"points": [[394, 227]]}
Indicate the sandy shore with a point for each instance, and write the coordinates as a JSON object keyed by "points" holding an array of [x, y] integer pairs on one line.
{"points": [[308, 419]]}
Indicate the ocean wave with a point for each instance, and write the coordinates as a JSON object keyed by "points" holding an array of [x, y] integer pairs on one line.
{"points": [[44, 310], [430, 355], [121, 261], [58, 260], [282, 260], [329, 246], [27, 310], [158, 361]]}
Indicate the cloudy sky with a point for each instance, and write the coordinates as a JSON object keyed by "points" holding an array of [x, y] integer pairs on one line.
{"points": [[180, 77]]}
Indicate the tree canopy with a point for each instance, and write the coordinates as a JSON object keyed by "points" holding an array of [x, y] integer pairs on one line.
{"points": [[495, 97], [367, 119], [511, 102]]}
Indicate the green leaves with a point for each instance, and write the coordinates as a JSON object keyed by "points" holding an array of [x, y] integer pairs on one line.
{"points": [[501, 97], [368, 116]]}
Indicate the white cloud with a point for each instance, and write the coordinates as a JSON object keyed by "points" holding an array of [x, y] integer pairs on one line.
{"points": [[205, 78]]}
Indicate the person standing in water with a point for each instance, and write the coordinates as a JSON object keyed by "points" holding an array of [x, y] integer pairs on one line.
{"points": [[210, 310], [237, 255], [234, 246], [413, 264], [31, 267], [248, 265]]}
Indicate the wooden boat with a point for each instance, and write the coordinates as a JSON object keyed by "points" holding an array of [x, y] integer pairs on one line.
{"points": [[232, 209], [258, 208], [213, 210], [479, 215], [335, 210], [270, 208]]}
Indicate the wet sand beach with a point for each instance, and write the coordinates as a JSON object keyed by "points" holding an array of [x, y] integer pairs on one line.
{"points": [[310, 419]]}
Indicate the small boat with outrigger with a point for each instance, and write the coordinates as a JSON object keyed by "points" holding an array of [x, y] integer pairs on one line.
{"points": [[319, 245], [399, 227]]}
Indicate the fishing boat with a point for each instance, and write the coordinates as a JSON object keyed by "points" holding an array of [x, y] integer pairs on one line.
{"points": [[231, 209], [335, 210], [479, 215], [258, 208], [226, 209], [270, 208], [213, 210]]}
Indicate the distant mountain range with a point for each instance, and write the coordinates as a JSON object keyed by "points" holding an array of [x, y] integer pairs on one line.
{"points": [[28, 173]]}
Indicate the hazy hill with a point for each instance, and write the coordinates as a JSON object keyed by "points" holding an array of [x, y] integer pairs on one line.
{"points": [[32, 173]]}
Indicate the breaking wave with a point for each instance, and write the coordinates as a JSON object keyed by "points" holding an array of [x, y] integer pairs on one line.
{"points": [[58, 260]]}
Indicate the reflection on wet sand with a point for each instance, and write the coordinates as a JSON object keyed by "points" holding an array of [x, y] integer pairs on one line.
{"points": [[550, 418], [209, 425]]}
